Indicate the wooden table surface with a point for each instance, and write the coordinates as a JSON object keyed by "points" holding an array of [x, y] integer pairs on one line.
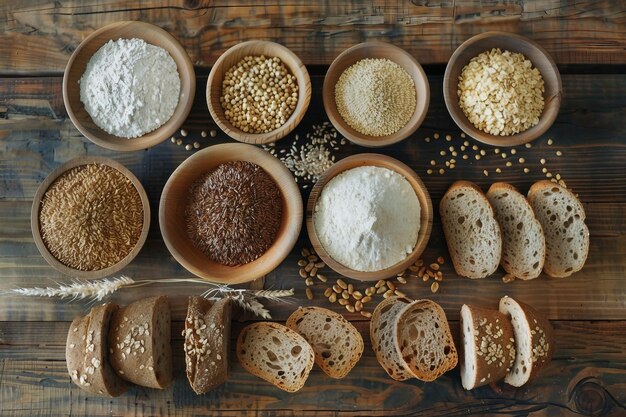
{"points": [[586, 38]]}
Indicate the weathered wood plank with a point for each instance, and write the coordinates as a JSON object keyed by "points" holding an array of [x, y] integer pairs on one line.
{"points": [[39, 35], [584, 377]]}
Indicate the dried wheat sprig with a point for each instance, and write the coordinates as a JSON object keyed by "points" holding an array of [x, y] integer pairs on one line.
{"points": [[77, 289]]}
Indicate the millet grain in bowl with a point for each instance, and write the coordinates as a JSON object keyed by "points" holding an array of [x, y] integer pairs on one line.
{"points": [[375, 97], [234, 212], [91, 217], [501, 93], [259, 94]]}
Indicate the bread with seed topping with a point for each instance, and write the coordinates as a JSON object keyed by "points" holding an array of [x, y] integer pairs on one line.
{"points": [[86, 353], [139, 342]]}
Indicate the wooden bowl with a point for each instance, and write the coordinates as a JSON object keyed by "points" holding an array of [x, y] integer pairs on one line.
{"points": [[78, 62], [36, 208], [377, 50], [514, 43], [426, 215], [255, 48], [174, 201]]}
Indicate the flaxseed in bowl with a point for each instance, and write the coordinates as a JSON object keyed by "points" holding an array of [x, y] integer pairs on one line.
{"points": [[502, 89], [90, 217], [230, 213]]}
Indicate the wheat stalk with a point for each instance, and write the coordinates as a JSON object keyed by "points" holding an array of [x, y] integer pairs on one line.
{"points": [[99, 289]]}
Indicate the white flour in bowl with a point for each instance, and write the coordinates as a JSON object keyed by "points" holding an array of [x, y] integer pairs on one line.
{"points": [[130, 87], [367, 218]]}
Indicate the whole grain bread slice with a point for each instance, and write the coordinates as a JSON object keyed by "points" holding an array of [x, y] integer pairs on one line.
{"points": [[86, 353], [275, 353], [337, 344], [471, 230], [207, 342], [425, 340], [562, 217], [523, 243], [487, 346], [140, 342], [534, 341], [384, 337]]}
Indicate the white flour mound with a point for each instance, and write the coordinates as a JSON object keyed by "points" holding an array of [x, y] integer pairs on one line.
{"points": [[130, 87], [368, 218]]}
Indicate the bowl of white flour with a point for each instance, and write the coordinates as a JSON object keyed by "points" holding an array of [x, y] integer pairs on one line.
{"points": [[369, 217], [129, 86]]}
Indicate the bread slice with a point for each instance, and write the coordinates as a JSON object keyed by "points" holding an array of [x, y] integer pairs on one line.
{"points": [[337, 344], [534, 341], [425, 340], [523, 244], [207, 343], [487, 346], [471, 230], [86, 353], [139, 342], [562, 217], [384, 337], [275, 353]]}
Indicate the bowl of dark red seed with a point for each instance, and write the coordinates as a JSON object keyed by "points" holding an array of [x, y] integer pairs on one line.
{"points": [[230, 213], [90, 217]]}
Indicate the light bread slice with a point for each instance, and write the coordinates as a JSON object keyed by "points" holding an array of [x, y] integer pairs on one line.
{"points": [[523, 244], [207, 343], [425, 340], [275, 353], [471, 230], [337, 344], [139, 342], [86, 353], [487, 346], [384, 337], [534, 341], [562, 217]]}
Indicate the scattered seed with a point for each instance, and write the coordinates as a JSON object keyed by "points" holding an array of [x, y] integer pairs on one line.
{"points": [[213, 133], [439, 276], [342, 284], [366, 299], [380, 283], [173, 139], [302, 263], [559, 153], [558, 176], [521, 160], [441, 171], [434, 287], [475, 147], [302, 273], [498, 170], [366, 314], [183, 133], [327, 292], [550, 141], [509, 163], [477, 157], [465, 156], [427, 140], [549, 175], [308, 281], [391, 285], [513, 151], [503, 155], [357, 295], [528, 145], [399, 293], [482, 152], [179, 142], [442, 153], [350, 289], [345, 295], [196, 145], [429, 171], [309, 294], [486, 173], [526, 170], [350, 308], [434, 266], [313, 272], [332, 298], [322, 277], [358, 306], [401, 280], [544, 170], [381, 290], [448, 138], [203, 134], [388, 294], [368, 292], [543, 161], [320, 264], [425, 277], [337, 289], [312, 258], [508, 278], [343, 302], [430, 273], [436, 136], [305, 252], [188, 147], [496, 151]]}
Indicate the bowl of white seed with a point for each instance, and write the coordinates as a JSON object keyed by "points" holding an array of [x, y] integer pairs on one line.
{"points": [[128, 86], [258, 92], [376, 94], [502, 89]]}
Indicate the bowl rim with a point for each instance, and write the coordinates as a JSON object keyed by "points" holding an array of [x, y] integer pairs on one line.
{"points": [[545, 121], [293, 223], [36, 208], [358, 138], [304, 96], [159, 134], [384, 161]]}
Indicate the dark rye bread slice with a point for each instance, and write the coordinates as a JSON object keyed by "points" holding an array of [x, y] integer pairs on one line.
{"points": [[425, 340], [523, 243], [487, 346], [207, 342], [275, 353], [384, 337], [534, 341], [562, 217], [337, 344], [471, 230], [139, 342], [86, 353]]}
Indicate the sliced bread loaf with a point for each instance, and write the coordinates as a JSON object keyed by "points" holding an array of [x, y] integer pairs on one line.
{"points": [[384, 337], [86, 353], [523, 244], [207, 343], [487, 346], [139, 342], [471, 230], [425, 340], [534, 341], [337, 344], [275, 353], [562, 217]]}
